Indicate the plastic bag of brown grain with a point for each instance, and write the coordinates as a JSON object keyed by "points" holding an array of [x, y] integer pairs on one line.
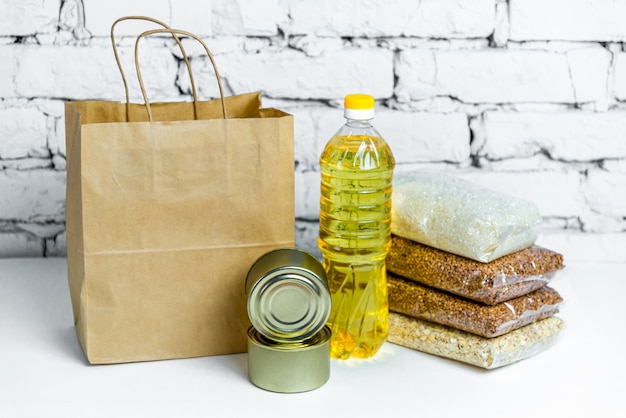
{"points": [[461, 217], [488, 353], [423, 302], [500, 280]]}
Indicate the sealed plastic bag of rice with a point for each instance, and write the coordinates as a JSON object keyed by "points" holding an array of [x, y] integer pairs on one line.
{"points": [[455, 215], [488, 353]]}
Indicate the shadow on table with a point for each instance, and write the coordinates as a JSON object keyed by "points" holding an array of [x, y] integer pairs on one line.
{"points": [[238, 363], [68, 344]]}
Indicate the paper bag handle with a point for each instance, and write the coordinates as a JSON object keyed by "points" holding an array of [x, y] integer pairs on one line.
{"points": [[180, 45], [175, 32]]}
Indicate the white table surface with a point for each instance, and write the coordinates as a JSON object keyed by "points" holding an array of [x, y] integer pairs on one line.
{"points": [[43, 372]]}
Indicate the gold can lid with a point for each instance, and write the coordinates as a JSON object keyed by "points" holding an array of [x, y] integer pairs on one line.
{"points": [[289, 367], [288, 297]]}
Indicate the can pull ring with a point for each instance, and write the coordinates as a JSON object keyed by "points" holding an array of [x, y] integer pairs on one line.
{"points": [[177, 32]]}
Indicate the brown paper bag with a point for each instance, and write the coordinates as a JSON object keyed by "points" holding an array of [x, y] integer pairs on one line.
{"points": [[165, 217]]}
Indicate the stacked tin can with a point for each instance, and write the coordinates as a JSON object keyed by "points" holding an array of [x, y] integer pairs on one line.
{"points": [[288, 306]]}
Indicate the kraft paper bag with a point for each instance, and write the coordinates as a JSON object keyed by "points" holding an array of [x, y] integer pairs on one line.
{"points": [[165, 217]]}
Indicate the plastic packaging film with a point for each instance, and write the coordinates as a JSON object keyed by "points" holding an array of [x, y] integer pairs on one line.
{"points": [[488, 353], [503, 279], [422, 302], [460, 217]]}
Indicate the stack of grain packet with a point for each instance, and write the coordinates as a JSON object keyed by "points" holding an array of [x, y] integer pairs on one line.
{"points": [[465, 279]]}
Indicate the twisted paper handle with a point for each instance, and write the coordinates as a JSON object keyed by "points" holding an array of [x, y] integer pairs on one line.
{"points": [[182, 50], [175, 32]]}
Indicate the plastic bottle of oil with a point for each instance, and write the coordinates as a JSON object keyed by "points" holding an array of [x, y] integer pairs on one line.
{"points": [[355, 216]]}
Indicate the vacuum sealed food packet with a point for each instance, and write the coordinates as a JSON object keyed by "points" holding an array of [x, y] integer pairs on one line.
{"points": [[460, 217], [488, 353], [503, 279], [423, 302]]}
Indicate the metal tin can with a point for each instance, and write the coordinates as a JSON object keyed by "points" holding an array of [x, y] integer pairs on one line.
{"points": [[289, 367], [288, 297]]}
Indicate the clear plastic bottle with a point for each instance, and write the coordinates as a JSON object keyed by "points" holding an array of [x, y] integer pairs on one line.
{"points": [[355, 217]]}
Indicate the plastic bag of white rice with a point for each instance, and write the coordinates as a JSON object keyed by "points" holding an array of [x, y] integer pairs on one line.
{"points": [[460, 217]]}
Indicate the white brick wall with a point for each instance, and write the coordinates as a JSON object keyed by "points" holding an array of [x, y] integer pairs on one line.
{"points": [[522, 96], [25, 132], [291, 74], [498, 75], [573, 20], [28, 17], [564, 135], [367, 18]]}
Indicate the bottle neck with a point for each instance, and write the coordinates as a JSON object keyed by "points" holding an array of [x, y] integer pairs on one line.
{"points": [[359, 123]]}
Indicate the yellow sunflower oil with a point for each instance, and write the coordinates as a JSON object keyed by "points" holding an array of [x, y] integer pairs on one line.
{"points": [[354, 237]]}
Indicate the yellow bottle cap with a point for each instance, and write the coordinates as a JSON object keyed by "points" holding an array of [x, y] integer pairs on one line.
{"points": [[358, 106], [358, 101]]}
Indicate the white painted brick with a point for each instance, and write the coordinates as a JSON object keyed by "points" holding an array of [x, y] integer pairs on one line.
{"points": [[554, 193], [100, 15], [28, 17], [217, 46], [501, 30], [585, 247], [306, 237], [59, 163], [53, 108], [555, 223], [202, 69], [41, 230], [57, 246], [158, 69], [569, 136], [614, 166], [595, 222], [619, 75], [291, 74], [204, 77], [439, 167], [426, 18], [315, 46], [35, 240], [71, 16], [606, 193], [193, 16], [23, 133], [22, 164], [576, 20], [412, 136], [247, 17], [425, 137], [20, 245], [539, 162], [589, 72], [56, 138], [7, 71], [417, 74], [93, 73], [313, 128], [294, 75], [32, 196], [307, 190], [503, 76]]}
